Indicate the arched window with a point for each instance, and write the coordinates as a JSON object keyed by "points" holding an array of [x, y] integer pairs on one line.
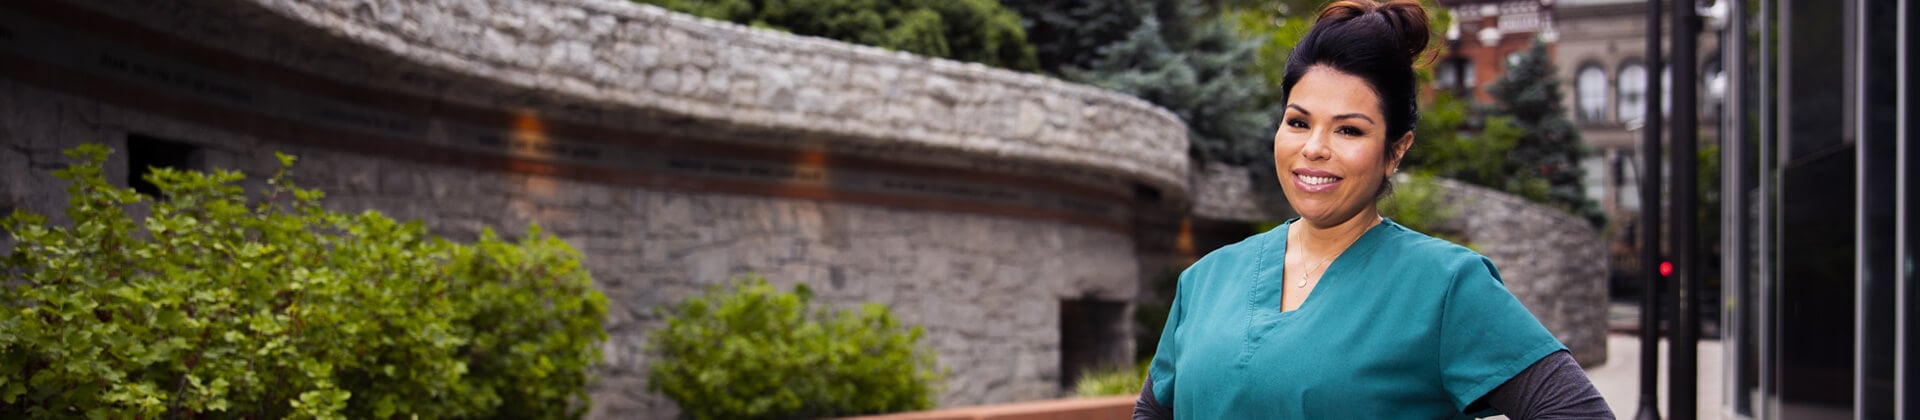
{"points": [[1631, 102], [1590, 93]]}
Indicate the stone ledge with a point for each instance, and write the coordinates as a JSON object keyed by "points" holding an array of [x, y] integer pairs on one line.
{"points": [[682, 68], [1226, 192]]}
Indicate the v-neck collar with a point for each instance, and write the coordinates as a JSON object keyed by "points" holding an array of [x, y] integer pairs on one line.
{"points": [[1333, 270]]}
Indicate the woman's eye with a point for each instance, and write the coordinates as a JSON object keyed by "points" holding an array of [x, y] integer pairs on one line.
{"points": [[1350, 132], [1296, 123]]}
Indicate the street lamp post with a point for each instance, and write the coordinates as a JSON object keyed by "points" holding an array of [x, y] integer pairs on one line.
{"points": [[1650, 227], [1683, 378]]}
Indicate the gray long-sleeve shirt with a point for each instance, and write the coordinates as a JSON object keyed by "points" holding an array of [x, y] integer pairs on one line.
{"points": [[1552, 388]]}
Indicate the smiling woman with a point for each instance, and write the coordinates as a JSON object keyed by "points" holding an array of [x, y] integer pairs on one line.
{"points": [[1341, 313]]}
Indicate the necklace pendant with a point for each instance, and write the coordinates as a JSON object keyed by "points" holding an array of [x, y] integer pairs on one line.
{"points": [[1301, 284]]}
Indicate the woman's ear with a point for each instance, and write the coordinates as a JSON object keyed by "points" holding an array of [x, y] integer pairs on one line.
{"points": [[1399, 153]]}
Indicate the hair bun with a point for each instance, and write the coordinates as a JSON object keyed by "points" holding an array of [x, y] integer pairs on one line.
{"points": [[1410, 20], [1407, 20]]}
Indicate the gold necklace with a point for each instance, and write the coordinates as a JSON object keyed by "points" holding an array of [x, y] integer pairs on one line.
{"points": [[1302, 282]]}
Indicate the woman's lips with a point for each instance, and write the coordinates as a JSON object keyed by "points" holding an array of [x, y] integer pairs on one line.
{"points": [[1313, 181]]}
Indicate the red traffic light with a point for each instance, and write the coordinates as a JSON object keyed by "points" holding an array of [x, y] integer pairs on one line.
{"points": [[1666, 268]]}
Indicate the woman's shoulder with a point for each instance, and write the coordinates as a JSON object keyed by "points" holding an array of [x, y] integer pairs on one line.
{"points": [[1421, 250]]}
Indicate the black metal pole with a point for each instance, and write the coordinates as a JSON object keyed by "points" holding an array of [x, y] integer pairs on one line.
{"points": [[1650, 225], [1766, 101], [1683, 370]]}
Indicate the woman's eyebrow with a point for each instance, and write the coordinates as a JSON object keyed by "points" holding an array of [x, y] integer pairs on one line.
{"points": [[1369, 120], [1359, 116]]}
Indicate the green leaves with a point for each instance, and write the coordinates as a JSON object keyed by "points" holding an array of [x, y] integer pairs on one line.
{"points": [[212, 305], [747, 350], [1549, 146], [1111, 381], [1175, 54]]}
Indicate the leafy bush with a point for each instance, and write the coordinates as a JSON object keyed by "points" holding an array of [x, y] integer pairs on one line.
{"points": [[1417, 203], [747, 350], [1442, 148], [1112, 381], [214, 306]]}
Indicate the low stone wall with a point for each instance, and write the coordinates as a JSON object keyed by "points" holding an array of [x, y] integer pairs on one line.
{"points": [[1554, 262], [1231, 193], [673, 152], [702, 78], [987, 289]]}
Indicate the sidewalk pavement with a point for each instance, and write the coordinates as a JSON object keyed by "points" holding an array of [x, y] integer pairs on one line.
{"points": [[1619, 379]]}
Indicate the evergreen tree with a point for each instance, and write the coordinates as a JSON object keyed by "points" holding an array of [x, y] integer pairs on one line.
{"points": [[1169, 52], [1550, 147]]}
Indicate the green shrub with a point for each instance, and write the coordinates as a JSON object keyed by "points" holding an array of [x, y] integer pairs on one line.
{"points": [[1112, 381], [217, 307], [1418, 204], [746, 350]]}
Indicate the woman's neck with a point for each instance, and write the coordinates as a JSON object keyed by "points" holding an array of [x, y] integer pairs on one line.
{"points": [[1327, 238]]}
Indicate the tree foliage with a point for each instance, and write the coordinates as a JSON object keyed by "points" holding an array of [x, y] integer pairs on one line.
{"points": [[214, 306], [980, 31], [1444, 145], [746, 350], [1550, 146], [1418, 203], [1169, 52]]}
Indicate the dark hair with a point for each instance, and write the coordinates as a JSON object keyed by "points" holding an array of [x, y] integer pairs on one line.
{"points": [[1377, 42]]}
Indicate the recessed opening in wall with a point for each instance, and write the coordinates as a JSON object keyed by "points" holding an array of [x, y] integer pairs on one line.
{"points": [[1093, 337], [144, 153], [1146, 194]]}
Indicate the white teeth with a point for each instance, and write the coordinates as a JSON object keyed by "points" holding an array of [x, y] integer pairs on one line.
{"points": [[1317, 180]]}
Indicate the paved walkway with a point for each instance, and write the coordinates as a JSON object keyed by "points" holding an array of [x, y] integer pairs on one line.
{"points": [[1619, 378]]}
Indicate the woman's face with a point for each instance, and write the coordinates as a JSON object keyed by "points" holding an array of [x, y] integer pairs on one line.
{"points": [[1331, 151]]}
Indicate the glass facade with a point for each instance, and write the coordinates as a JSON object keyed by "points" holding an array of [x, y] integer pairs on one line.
{"points": [[1818, 236]]}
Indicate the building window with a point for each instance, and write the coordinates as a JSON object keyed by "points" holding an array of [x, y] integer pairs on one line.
{"points": [[1091, 335], [1590, 93], [1455, 75], [145, 153], [1631, 102]]}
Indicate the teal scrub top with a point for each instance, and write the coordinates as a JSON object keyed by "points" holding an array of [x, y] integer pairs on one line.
{"points": [[1400, 326]]}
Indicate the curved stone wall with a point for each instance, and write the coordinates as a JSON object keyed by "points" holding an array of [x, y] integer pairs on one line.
{"points": [[673, 152], [715, 74], [1554, 262], [1231, 193]]}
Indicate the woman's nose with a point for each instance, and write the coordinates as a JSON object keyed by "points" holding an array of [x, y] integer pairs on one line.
{"points": [[1316, 147]]}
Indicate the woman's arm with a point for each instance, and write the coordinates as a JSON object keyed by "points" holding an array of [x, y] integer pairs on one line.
{"points": [[1146, 408], [1553, 388]]}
